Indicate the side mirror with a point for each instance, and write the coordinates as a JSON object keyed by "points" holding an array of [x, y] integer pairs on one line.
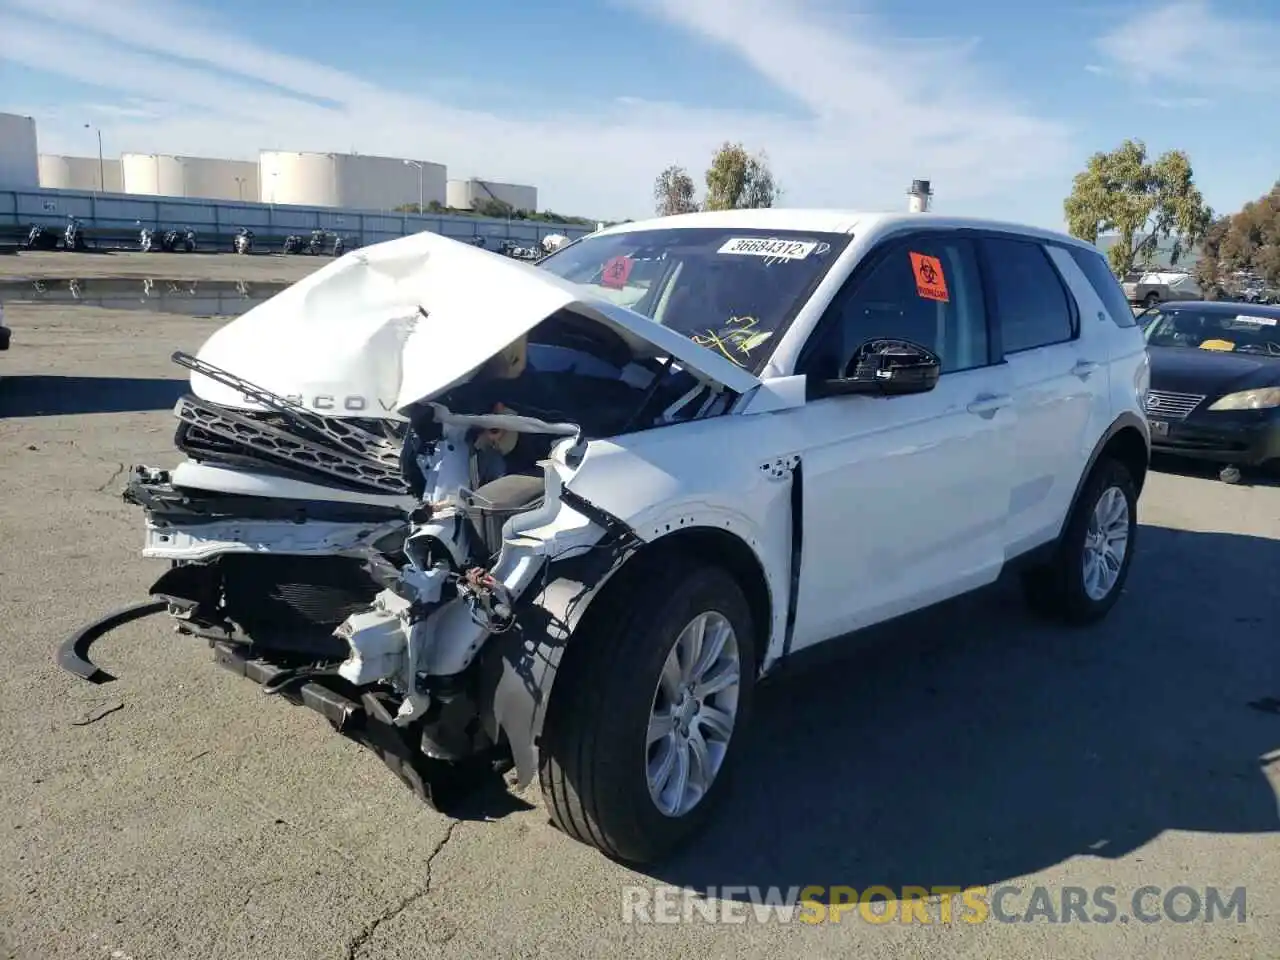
{"points": [[885, 368]]}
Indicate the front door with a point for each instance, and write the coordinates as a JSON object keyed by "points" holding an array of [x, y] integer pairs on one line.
{"points": [[905, 498]]}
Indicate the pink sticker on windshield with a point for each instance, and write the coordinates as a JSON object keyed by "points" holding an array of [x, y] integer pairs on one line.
{"points": [[616, 271]]}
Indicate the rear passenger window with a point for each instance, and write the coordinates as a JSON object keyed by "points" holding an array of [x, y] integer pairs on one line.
{"points": [[1105, 285], [1030, 299]]}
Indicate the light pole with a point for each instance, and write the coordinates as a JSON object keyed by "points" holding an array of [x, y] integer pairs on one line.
{"points": [[415, 163], [240, 187], [102, 181]]}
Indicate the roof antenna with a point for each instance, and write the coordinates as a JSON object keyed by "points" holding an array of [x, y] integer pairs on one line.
{"points": [[919, 196]]}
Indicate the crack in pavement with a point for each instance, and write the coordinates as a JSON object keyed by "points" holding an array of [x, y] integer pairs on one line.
{"points": [[98, 713], [360, 939], [111, 479]]}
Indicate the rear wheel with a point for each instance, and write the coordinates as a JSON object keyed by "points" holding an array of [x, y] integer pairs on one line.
{"points": [[647, 716], [1087, 572]]}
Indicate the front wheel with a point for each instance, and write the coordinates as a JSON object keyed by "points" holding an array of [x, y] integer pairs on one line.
{"points": [[1084, 578], [647, 716]]}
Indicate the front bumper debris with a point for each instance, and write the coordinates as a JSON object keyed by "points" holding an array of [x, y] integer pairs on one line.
{"points": [[73, 655], [368, 718]]}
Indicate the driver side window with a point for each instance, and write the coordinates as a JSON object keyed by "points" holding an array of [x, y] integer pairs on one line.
{"points": [[926, 289]]}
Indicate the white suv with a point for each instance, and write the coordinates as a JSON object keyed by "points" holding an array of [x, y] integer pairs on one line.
{"points": [[674, 455]]}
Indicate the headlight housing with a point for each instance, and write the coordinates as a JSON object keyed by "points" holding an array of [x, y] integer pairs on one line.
{"points": [[1264, 398]]}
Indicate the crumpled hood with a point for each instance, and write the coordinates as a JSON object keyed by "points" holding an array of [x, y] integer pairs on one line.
{"points": [[399, 322]]}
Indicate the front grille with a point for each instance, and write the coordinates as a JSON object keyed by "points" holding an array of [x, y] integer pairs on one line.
{"points": [[1172, 406], [334, 449], [295, 603]]}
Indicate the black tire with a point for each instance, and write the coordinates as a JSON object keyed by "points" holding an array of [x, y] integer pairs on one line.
{"points": [[591, 764], [1056, 590]]}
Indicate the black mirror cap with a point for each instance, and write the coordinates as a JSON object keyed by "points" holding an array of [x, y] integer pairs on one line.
{"points": [[885, 368]]}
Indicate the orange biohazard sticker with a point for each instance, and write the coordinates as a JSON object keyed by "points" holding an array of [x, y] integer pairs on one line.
{"points": [[930, 283], [616, 271]]}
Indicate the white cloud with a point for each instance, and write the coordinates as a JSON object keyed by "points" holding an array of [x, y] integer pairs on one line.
{"points": [[879, 110], [1181, 103], [1187, 44]]}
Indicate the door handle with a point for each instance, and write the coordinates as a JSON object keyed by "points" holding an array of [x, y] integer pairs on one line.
{"points": [[1084, 368], [988, 404]]}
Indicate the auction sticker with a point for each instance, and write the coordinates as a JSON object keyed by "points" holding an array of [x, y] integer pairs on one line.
{"points": [[931, 283], [616, 272], [769, 247], [1259, 321]]}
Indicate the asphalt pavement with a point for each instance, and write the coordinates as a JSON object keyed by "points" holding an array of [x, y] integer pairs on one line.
{"points": [[178, 812]]}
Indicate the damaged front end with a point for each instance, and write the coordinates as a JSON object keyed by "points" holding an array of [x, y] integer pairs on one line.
{"points": [[416, 576], [270, 523], [480, 562]]}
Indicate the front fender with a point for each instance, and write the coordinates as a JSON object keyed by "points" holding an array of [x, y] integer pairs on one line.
{"points": [[520, 666], [737, 476]]}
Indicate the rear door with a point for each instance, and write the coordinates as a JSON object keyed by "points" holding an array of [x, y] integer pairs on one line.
{"points": [[1056, 379]]}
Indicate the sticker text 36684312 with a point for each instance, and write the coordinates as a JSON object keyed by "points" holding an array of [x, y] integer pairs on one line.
{"points": [[768, 247]]}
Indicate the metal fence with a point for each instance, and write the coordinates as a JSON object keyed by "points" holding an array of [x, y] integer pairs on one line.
{"points": [[123, 212]]}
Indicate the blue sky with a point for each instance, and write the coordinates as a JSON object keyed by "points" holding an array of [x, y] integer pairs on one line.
{"points": [[999, 104]]}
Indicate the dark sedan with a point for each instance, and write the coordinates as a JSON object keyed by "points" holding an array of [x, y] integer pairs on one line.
{"points": [[1215, 383]]}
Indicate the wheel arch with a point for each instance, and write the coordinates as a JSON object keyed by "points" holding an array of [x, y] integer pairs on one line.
{"points": [[520, 669], [1126, 441], [713, 546]]}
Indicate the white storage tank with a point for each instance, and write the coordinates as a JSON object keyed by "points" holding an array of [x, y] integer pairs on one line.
{"points": [[351, 181], [469, 194], [19, 163], [80, 173], [206, 178]]}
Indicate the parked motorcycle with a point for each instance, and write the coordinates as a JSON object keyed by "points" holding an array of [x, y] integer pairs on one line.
{"points": [[174, 240], [292, 244], [146, 238], [40, 238], [339, 246], [243, 242], [73, 236], [509, 248]]}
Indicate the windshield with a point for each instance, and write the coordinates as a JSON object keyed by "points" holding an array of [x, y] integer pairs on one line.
{"points": [[733, 291], [1212, 330]]}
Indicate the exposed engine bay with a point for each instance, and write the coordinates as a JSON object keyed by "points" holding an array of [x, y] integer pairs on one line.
{"points": [[403, 546]]}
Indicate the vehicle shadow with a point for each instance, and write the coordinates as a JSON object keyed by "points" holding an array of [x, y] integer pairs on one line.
{"points": [[1203, 470], [53, 396], [972, 743]]}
